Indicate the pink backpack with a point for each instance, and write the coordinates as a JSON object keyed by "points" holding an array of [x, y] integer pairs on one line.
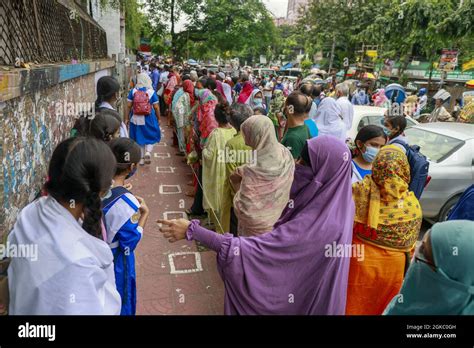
{"points": [[141, 103]]}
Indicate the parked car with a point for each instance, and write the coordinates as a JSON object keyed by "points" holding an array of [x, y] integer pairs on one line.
{"points": [[449, 147], [290, 72], [365, 115], [264, 72]]}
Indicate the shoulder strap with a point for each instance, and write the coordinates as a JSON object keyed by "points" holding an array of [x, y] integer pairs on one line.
{"points": [[401, 143], [117, 192]]}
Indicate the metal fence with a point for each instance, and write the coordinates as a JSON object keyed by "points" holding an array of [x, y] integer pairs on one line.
{"points": [[44, 31]]}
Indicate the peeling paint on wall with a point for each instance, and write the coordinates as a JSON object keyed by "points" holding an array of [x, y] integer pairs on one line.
{"points": [[31, 131]]}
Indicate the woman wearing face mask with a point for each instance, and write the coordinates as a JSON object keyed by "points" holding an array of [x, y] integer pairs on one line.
{"points": [[386, 227], [256, 99], [368, 142], [440, 280], [394, 127]]}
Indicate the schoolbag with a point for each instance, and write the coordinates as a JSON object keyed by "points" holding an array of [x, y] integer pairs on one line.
{"points": [[419, 167], [141, 103]]}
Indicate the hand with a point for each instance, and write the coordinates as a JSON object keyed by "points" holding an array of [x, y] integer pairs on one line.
{"points": [[144, 210], [174, 230]]}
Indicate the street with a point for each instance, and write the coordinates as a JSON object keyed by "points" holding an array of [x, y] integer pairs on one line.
{"points": [[161, 288]]}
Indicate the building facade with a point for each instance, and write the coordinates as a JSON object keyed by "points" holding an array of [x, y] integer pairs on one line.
{"points": [[293, 10]]}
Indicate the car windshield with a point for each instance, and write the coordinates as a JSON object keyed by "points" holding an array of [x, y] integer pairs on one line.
{"points": [[378, 120], [435, 146]]}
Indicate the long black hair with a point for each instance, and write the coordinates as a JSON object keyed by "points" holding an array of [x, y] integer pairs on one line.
{"points": [[107, 86], [365, 134], [126, 152], [79, 171]]}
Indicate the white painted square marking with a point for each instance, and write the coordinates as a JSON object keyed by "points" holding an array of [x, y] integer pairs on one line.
{"points": [[163, 144], [165, 169], [162, 155], [170, 189], [181, 215], [184, 271]]}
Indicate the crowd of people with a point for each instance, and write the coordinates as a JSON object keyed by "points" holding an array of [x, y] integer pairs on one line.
{"points": [[302, 222]]}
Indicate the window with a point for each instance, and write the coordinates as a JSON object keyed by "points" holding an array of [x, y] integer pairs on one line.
{"points": [[378, 121], [436, 147]]}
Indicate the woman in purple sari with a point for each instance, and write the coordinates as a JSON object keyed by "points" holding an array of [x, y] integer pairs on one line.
{"points": [[294, 268]]}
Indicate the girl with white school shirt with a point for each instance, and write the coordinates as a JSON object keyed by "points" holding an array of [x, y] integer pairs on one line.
{"points": [[108, 96], [144, 128], [74, 270]]}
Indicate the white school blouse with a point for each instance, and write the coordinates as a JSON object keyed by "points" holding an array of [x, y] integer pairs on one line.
{"points": [[73, 272]]}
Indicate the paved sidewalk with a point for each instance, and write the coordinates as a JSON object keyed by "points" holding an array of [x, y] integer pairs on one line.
{"points": [[194, 285]]}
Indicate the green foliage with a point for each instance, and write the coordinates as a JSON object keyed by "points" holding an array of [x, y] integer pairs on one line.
{"points": [[216, 27], [402, 28], [306, 65], [135, 21]]}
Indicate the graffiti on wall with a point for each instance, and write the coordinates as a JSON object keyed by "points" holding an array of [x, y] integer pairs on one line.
{"points": [[32, 128]]}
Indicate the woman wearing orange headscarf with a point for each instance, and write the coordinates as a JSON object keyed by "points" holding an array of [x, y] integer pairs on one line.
{"points": [[386, 226]]}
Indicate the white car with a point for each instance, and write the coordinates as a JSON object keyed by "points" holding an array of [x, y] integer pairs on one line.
{"points": [[366, 115], [449, 147]]}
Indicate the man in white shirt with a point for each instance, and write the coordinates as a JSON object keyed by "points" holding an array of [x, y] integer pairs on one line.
{"points": [[342, 91]]}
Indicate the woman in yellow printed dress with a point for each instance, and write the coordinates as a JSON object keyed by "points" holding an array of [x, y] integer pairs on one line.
{"points": [[386, 227]]}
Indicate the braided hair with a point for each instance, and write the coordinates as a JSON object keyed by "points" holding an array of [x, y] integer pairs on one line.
{"points": [[104, 125], [79, 171]]}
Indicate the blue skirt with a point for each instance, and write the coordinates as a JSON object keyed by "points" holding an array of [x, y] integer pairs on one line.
{"points": [[147, 134]]}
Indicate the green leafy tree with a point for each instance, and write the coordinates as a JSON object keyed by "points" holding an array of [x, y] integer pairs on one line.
{"points": [[232, 28], [162, 12]]}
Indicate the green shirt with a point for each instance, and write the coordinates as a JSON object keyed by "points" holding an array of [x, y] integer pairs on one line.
{"points": [[295, 138]]}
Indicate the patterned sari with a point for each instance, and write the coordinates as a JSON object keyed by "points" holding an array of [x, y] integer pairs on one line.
{"points": [[207, 121], [386, 226]]}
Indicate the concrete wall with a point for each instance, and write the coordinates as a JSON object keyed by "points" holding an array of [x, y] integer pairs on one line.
{"points": [[112, 22], [37, 109]]}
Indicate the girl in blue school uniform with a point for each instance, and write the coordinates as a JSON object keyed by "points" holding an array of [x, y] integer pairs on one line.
{"points": [[125, 216], [142, 114]]}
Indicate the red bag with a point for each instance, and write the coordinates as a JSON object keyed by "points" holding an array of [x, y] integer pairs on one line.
{"points": [[141, 103]]}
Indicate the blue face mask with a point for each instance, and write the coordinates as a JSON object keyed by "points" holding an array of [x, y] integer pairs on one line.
{"points": [[370, 153], [386, 131], [258, 101], [129, 175]]}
